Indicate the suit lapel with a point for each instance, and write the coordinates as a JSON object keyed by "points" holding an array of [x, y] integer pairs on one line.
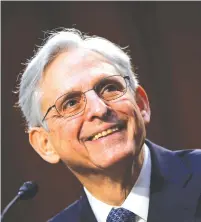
{"points": [[171, 196], [86, 213]]}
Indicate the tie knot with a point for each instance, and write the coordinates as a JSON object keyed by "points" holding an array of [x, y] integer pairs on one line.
{"points": [[120, 215]]}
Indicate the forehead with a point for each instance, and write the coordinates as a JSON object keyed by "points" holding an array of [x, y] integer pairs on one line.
{"points": [[74, 70]]}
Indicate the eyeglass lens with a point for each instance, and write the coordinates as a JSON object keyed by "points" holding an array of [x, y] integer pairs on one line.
{"points": [[109, 88]]}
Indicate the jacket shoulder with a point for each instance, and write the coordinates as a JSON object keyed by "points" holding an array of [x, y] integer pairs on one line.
{"points": [[192, 158], [69, 214]]}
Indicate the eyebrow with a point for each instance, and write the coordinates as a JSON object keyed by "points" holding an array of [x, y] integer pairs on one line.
{"points": [[72, 89]]}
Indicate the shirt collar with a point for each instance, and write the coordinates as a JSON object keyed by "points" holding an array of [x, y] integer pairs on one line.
{"points": [[138, 199]]}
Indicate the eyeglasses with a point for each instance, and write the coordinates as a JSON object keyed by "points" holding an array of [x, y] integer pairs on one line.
{"points": [[73, 103]]}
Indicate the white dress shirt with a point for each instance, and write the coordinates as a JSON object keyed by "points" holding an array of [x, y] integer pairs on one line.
{"points": [[138, 199]]}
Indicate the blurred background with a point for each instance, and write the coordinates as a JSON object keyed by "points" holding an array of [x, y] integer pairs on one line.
{"points": [[164, 39]]}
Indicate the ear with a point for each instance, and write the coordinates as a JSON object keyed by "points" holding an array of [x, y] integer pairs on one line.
{"points": [[39, 140], [143, 104]]}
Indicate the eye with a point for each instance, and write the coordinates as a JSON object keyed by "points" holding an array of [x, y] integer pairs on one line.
{"points": [[111, 91], [70, 103], [111, 88]]}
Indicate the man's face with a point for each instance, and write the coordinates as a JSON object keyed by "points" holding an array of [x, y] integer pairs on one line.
{"points": [[80, 70]]}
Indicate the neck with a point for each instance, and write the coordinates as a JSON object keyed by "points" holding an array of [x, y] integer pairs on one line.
{"points": [[112, 186]]}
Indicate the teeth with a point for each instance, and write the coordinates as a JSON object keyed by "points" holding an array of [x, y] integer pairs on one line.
{"points": [[104, 133], [109, 131]]}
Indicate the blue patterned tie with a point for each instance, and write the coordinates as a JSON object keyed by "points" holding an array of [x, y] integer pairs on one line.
{"points": [[120, 215]]}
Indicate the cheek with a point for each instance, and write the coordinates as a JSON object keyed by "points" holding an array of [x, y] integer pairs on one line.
{"points": [[126, 106], [135, 125], [64, 135], [65, 141]]}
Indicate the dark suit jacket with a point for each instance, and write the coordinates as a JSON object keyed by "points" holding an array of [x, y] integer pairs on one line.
{"points": [[175, 192]]}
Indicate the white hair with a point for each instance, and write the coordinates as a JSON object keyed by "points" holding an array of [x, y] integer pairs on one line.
{"points": [[57, 42]]}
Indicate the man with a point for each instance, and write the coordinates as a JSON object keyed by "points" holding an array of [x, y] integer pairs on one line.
{"points": [[84, 106]]}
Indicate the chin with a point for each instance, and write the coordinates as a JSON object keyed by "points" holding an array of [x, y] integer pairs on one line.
{"points": [[113, 157]]}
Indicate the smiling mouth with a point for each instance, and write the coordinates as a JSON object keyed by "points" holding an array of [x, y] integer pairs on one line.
{"points": [[105, 133]]}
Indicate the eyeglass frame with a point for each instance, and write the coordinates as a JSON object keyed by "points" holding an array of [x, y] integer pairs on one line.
{"points": [[94, 88]]}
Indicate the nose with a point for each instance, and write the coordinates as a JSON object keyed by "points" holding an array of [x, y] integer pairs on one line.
{"points": [[95, 106]]}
